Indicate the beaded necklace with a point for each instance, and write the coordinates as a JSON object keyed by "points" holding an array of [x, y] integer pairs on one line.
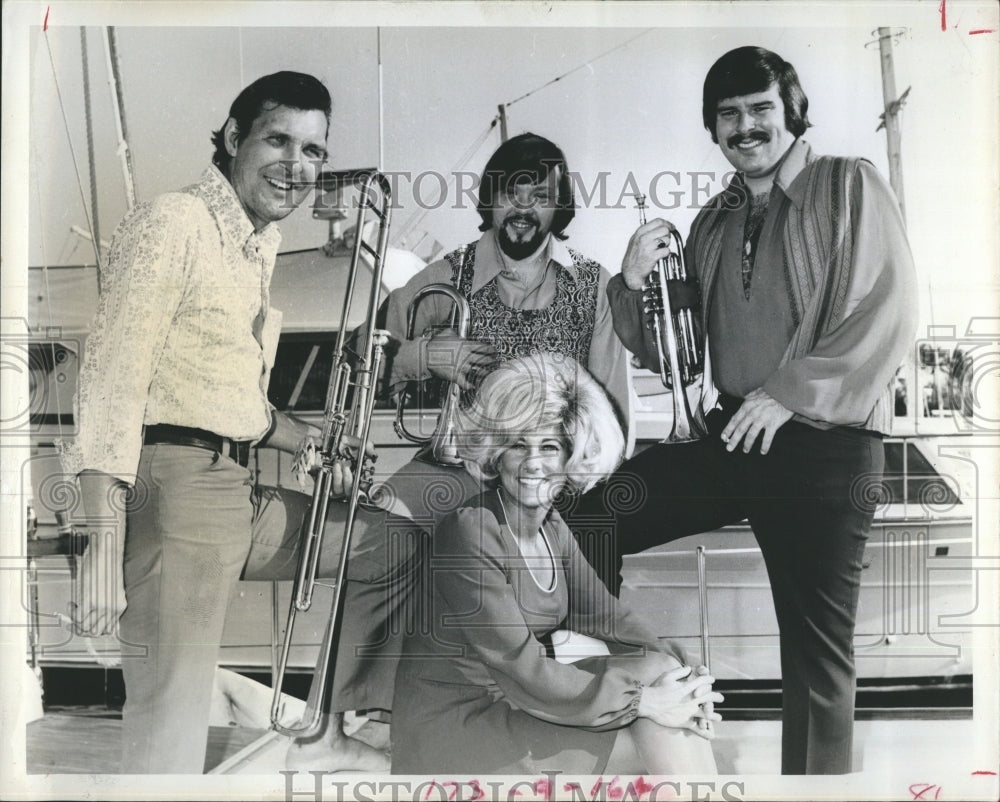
{"points": [[545, 540]]}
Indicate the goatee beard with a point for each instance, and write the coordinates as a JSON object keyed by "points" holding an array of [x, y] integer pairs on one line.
{"points": [[519, 250]]}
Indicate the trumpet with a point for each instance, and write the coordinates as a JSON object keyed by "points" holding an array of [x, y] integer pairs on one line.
{"points": [[440, 448], [677, 343], [347, 414]]}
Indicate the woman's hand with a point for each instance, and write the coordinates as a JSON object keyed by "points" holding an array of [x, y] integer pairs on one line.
{"points": [[673, 701]]}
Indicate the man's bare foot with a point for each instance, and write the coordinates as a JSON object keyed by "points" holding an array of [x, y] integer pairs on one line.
{"points": [[340, 754]]}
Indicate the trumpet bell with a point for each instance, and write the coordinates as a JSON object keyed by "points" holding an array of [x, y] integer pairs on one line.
{"points": [[680, 347]]}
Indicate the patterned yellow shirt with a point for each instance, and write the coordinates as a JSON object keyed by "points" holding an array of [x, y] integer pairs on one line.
{"points": [[183, 332]]}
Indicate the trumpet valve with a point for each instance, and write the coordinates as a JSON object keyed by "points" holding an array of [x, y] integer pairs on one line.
{"points": [[652, 301]]}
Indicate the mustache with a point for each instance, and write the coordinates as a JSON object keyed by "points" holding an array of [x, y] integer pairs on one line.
{"points": [[753, 136], [524, 217]]}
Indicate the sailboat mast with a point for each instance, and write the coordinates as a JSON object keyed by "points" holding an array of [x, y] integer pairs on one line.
{"points": [[381, 101], [114, 79]]}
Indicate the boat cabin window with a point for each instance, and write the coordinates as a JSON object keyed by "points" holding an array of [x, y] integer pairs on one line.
{"points": [[915, 478], [301, 374], [301, 371]]}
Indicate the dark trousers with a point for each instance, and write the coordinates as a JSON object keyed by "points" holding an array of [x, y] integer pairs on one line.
{"points": [[810, 505]]}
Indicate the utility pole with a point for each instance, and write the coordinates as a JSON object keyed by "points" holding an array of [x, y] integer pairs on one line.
{"points": [[503, 122], [890, 116]]}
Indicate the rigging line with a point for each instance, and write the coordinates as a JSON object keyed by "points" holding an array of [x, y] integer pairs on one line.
{"points": [[579, 67], [72, 153], [88, 111], [70, 244], [471, 151], [50, 325], [419, 215]]}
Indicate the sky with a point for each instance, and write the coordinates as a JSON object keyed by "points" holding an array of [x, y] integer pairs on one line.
{"points": [[416, 99]]}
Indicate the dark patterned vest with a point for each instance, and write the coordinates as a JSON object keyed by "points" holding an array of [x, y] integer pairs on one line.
{"points": [[565, 326]]}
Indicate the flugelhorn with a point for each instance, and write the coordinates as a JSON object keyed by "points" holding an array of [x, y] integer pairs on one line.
{"points": [[347, 415], [677, 343], [440, 448]]}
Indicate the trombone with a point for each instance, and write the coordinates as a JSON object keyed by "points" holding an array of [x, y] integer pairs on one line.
{"points": [[677, 343], [347, 415]]}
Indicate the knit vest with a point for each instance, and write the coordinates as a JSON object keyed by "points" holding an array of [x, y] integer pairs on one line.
{"points": [[565, 326]]}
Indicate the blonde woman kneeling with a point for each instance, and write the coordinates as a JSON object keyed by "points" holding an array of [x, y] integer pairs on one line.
{"points": [[476, 690]]}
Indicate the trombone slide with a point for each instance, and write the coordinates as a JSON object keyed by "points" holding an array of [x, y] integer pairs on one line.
{"points": [[347, 417]]}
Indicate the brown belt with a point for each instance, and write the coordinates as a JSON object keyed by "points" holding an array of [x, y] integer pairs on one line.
{"points": [[237, 450]]}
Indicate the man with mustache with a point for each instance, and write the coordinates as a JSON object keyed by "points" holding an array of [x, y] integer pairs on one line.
{"points": [[808, 302], [172, 398], [528, 292]]}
